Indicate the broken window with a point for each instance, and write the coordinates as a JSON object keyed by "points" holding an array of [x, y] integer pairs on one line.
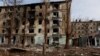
{"points": [[32, 7], [23, 22], [31, 22], [55, 41], [16, 30], [8, 22], [40, 21], [56, 14], [31, 30], [79, 32], [55, 38], [8, 30], [14, 39], [1, 39], [18, 8], [56, 6], [55, 30], [31, 14], [39, 30], [40, 6], [10, 14], [23, 30], [4, 23], [31, 18], [40, 14], [47, 40], [47, 21], [90, 27], [11, 9], [91, 41], [32, 40], [91, 31], [48, 30], [16, 23], [82, 27], [0, 10], [56, 22], [82, 32], [3, 31], [23, 40]]}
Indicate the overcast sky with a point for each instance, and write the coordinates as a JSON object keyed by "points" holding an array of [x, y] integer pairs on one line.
{"points": [[80, 8]]}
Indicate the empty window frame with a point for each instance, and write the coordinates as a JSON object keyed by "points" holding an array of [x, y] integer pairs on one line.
{"points": [[14, 39], [56, 6], [16, 30], [23, 30], [31, 14], [0, 10], [55, 30], [56, 22], [56, 14], [40, 6], [48, 30], [40, 21], [31, 30], [23, 22], [3, 31], [1, 39], [39, 30], [40, 14], [55, 38], [32, 39], [4, 23]]}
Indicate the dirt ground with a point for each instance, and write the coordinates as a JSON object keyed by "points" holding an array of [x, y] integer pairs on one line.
{"points": [[56, 52]]}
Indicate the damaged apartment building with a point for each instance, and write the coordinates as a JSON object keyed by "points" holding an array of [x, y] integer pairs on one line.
{"points": [[86, 33], [23, 25]]}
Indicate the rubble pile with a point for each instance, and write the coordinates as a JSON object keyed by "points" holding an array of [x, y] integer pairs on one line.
{"points": [[56, 52]]}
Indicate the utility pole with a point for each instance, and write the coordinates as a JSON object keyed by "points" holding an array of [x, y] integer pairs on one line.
{"points": [[68, 23]]}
